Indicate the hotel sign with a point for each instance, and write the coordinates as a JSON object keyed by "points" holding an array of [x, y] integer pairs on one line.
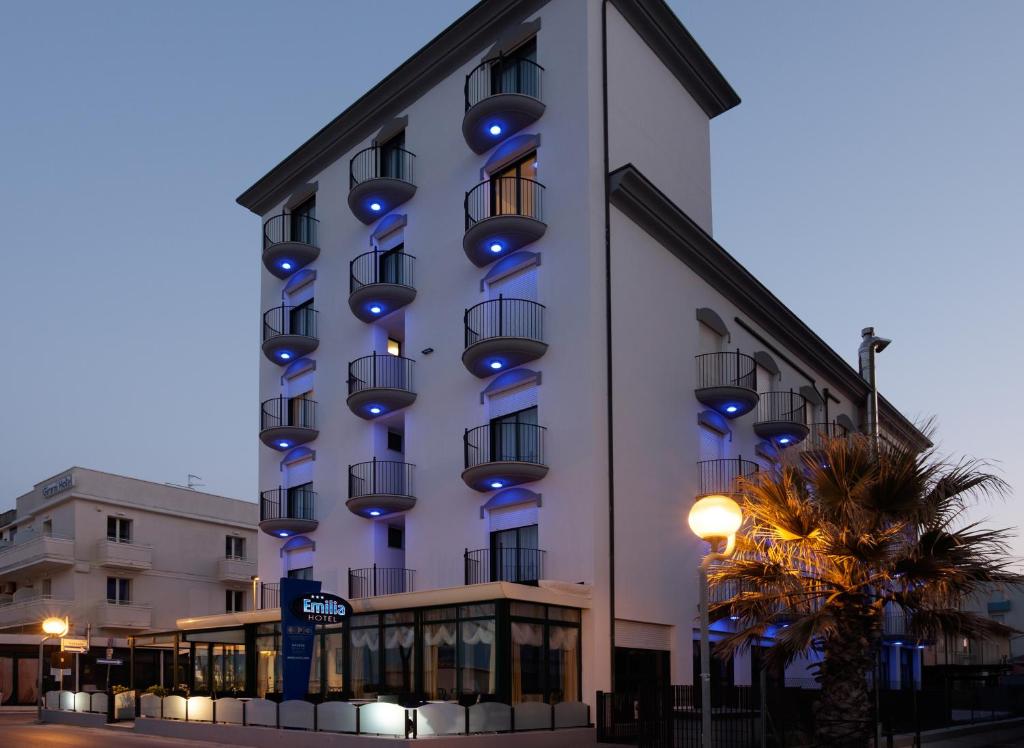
{"points": [[60, 485], [320, 607]]}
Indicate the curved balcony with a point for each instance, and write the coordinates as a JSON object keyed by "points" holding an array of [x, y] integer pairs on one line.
{"points": [[380, 179], [727, 382], [820, 434], [287, 422], [723, 476], [289, 243], [289, 332], [499, 455], [288, 511], [380, 580], [502, 97], [380, 487], [521, 565], [781, 418], [503, 333], [379, 283], [380, 383], [503, 214]]}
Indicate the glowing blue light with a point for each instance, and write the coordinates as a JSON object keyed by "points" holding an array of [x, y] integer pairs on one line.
{"points": [[375, 410], [286, 266], [283, 534], [897, 644], [496, 247], [496, 364], [920, 646], [375, 512], [784, 440], [284, 355], [284, 445], [376, 309], [731, 408], [375, 207], [494, 130], [734, 618], [496, 484]]}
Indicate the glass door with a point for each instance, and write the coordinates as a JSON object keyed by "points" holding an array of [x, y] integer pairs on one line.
{"points": [[515, 555], [514, 437]]}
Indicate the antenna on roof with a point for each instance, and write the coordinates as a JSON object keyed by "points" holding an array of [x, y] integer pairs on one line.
{"points": [[193, 481]]}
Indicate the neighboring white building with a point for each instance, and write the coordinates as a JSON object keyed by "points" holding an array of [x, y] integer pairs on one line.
{"points": [[117, 556], [500, 345]]}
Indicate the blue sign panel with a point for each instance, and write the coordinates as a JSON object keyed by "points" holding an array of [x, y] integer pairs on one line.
{"points": [[296, 637]]}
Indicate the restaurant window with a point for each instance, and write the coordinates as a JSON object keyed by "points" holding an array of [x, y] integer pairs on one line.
{"points": [[119, 590], [234, 547], [364, 646], [268, 663], [119, 529], [399, 645], [228, 668], [440, 667], [545, 653]]}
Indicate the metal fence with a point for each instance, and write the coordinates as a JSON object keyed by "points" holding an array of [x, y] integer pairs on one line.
{"points": [[290, 227], [726, 370], [504, 196], [503, 75], [379, 580], [523, 565]]}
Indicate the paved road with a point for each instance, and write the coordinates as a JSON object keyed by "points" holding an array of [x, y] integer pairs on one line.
{"points": [[18, 730], [1010, 737]]}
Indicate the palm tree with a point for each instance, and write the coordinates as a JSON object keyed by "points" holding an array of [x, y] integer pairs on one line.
{"points": [[836, 538]]}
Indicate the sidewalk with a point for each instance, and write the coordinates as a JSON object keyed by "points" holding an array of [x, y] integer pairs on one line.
{"points": [[1002, 734]]}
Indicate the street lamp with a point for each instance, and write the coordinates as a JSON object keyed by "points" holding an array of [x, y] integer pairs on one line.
{"points": [[715, 519], [53, 627]]}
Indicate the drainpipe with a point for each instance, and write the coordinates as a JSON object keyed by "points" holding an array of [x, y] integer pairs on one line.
{"points": [[870, 345]]}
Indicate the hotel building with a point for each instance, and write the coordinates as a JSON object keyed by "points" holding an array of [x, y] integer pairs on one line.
{"points": [[502, 353]]}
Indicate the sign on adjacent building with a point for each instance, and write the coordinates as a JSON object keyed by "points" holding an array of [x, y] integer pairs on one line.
{"points": [[59, 485]]}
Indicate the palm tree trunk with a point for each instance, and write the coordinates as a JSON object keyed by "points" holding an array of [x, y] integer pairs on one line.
{"points": [[843, 714]]}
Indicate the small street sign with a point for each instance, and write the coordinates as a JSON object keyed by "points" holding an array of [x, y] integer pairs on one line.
{"points": [[110, 653], [109, 661], [73, 644]]}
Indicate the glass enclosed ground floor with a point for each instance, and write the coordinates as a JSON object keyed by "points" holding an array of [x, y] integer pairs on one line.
{"points": [[505, 650]]}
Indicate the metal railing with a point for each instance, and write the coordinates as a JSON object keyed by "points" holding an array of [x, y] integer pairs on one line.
{"points": [[821, 433], [289, 320], [787, 407], [270, 595], [504, 442], [733, 369], [504, 196], [524, 565], [379, 580], [381, 371], [381, 162], [282, 411], [722, 476], [503, 75], [504, 318], [290, 227], [288, 503], [380, 477], [381, 267]]}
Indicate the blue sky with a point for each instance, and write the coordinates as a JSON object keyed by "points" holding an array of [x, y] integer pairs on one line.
{"points": [[870, 176]]}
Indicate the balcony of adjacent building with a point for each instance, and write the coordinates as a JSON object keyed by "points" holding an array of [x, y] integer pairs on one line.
{"points": [[236, 570], [501, 334], [724, 476], [380, 487], [118, 554], [781, 418], [501, 454], [503, 95], [289, 333], [380, 179], [39, 554], [26, 608], [501, 564], [379, 384], [287, 422], [379, 580], [503, 214], [380, 283], [819, 435], [289, 243], [285, 512], [727, 382], [120, 614]]}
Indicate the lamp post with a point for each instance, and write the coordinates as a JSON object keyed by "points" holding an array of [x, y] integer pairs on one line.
{"points": [[715, 519], [52, 628]]}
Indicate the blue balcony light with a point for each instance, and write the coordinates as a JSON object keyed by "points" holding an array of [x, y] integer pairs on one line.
{"points": [[496, 484], [376, 410], [920, 646], [784, 440], [496, 247], [496, 365], [731, 408], [734, 618], [897, 644], [376, 309], [284, 445], [284, 355], [375, 207], [285, 265], [494, 129], [283, 534]]}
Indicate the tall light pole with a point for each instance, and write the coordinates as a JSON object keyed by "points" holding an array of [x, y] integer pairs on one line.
{"points": [[715, 519], [52, 628]]}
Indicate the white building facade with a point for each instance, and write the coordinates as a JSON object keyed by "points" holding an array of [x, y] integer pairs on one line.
{"points": [[502, 353]]}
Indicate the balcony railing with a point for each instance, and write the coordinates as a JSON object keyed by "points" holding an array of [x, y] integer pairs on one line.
{"points": [[369, 268], [290, 227], [8, 517], [820, 434], [41, 552], [377, 162], [381, 371], [726, 370], [124, 555], [788, 407], [504, 442], [504, 196], [522, 565], [379, 580], [503, 75], [289, 320], [722, 476], [296, 412], [123, 614], [287, 503], [234, 569], [504, 318], [270, 595], [379, 477]]}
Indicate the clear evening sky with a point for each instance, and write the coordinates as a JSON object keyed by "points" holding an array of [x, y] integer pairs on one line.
{"points": [[872, 175]]}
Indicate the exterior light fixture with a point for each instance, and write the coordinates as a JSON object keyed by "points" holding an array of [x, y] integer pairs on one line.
{"points": [[286, 266], [55, 626], [494, 130], [715, 518], [496, 364], [731, 408], [375, 207], [283, 534], [784, 440], [375, 410], [375, 512], [376, 309], [284, 445], [497, 484], [496, 247], [284, 355]]}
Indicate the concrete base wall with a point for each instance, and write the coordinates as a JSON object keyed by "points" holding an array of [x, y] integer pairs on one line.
{"points": [[264, 737], [81, 719]]}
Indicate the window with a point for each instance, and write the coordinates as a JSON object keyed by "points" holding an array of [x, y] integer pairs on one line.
{"points": [[119, 529], [119, 590], [515, 556], [508, 75], [515, 438], [389, 266], [46, 588], [392, 163], [234, 601], [394, 347], [303, 221], [300, 501], [512, 188], [303, 573], [395, 441], [396, 537], [234, 547], [302, 319], [48, 527], [300, 410]]}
